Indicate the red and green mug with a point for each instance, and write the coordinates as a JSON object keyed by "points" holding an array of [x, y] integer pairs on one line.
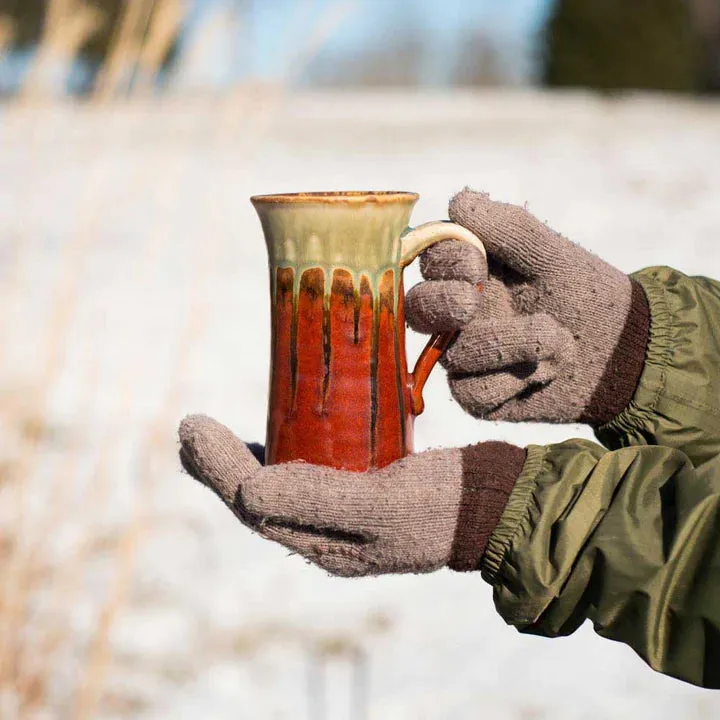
{"points": [[340, 390]]}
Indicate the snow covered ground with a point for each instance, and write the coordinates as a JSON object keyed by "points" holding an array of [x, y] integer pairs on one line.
{"points": [[133, 291]]}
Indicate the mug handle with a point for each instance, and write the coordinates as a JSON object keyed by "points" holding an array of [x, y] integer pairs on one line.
{"points": [[414, 241]]}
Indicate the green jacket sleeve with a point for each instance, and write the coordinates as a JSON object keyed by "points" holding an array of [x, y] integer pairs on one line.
{"points": [[677, 402], [628, 535], [629, 539]]}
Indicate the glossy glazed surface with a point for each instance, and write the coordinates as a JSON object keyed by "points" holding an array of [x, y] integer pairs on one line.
{"points": [[339, 391]]}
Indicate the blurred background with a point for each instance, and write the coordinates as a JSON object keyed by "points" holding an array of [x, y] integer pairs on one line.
{"points": [[133, 290]]}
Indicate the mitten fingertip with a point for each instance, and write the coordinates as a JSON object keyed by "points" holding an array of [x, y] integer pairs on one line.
{"points": [[454, 260], [214, 456]]}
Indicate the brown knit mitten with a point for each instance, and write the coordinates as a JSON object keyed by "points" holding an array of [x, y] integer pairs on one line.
{"points": [[557, 335], [416, 515]]}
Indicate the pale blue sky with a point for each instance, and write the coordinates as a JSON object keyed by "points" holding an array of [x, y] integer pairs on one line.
{"points": [[270, 29], [261, 38]]}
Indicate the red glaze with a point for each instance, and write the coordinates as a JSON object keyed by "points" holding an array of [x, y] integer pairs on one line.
{"points": [[340, 388]]}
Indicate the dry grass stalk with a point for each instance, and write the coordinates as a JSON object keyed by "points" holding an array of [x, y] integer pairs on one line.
{"points": [[22, 570], [320, 34], [23, 566], [124, 49], [164, 27], [11, 591], [205, 36], [7, 33], [37, 661], [98, 658], [158, 444], [32, 669], [259, 105], [90, 689], [68, 25]]}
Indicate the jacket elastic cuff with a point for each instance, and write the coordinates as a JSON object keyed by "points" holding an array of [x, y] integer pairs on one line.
{"points": [[514, 514], [490, 471], [638, 413]]}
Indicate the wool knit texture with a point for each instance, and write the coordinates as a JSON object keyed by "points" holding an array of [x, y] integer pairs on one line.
{"points": [[556, 335], [414, 516], [490, 470]]}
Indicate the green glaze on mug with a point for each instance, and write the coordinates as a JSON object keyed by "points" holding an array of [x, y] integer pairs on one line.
{"points": [[340, 390]]}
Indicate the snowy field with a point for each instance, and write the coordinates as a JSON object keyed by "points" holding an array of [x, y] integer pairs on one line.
{"points": [[133, 290]]}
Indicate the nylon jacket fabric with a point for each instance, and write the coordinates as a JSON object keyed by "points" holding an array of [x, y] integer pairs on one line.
{"points": [[628, 535]]}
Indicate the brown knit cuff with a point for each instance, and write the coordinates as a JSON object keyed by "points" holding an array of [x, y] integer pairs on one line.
{"points": [[490, 470], [622, 373]]}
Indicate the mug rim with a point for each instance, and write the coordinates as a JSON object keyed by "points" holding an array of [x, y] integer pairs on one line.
{"points": [[350, 197]]}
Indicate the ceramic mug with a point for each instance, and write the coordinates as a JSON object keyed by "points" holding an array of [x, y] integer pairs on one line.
{"points": [[340, 391]]}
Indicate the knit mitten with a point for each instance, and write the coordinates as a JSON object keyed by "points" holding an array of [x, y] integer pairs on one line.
{"points": [[418, 514], [556, 335]]}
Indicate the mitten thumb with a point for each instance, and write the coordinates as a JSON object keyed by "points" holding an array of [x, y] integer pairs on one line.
{"points": [[212, 454]]}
